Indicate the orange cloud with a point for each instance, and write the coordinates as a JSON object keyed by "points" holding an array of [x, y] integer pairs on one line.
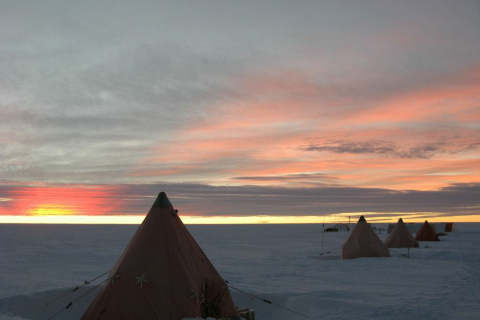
{"points": [[426, 106]]}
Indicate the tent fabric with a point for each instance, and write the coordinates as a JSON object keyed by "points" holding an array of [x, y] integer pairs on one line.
{"points": [[426, 233], [363, 242], [449, 227], [163, 274], [400, 237], [443, 226]]}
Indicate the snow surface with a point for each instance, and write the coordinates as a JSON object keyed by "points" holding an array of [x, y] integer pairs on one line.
{"points": [[280, 263]]}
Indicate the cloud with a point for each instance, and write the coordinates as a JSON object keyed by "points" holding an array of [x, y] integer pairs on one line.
{"points": [[205, 200], [299, 177], [219, 93], [388, 149], [423, 152], [376, 147], [392, 149]]}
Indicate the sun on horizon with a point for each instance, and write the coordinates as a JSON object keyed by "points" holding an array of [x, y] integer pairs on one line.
{"points": [[52, 210]]}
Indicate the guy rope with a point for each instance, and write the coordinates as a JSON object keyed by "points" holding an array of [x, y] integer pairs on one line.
{"points": [[85, 283], [266, 301]]}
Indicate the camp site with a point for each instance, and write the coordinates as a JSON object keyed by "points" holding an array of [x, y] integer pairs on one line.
{"points": [[239, 160], [165, 270]]}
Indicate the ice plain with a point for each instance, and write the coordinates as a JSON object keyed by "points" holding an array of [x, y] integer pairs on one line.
{"points": [[280, 263]]}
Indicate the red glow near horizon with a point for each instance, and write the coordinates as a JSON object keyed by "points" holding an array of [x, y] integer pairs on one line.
{"points": [[68, 200]]}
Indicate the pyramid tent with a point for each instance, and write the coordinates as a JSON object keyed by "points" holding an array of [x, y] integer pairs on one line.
{"points": [[163, 274], [426, 233], [363, 242], [400, 237]]}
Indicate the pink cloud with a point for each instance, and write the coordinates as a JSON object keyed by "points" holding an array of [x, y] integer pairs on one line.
{"points": [[279, 116]]}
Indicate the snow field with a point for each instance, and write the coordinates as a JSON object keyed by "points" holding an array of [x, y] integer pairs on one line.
{"points": [[280, 263]]}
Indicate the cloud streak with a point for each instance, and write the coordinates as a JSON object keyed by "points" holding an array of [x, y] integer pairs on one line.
{"points": [[388, 149], [205, 200]]}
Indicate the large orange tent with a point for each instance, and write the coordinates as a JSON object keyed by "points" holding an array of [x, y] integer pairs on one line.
{"points": [[363, 242], [400, 237], [163, 274], [426, 233]]}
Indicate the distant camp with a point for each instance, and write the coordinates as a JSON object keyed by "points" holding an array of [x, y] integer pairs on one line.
{"points": [[338, 227]]}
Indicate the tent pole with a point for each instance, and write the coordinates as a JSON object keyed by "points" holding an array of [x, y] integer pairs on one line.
{"points": [[323, 231]]}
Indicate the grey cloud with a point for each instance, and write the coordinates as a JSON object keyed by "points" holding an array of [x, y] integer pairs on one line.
{"points": [[145, 103], [474, 145], [423, 152], [382, 148], [354, 147], [290, 177], [458, 199]]}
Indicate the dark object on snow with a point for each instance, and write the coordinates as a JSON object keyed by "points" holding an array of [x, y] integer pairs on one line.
{"points": [[247, 314], [449, 227], [341, 227], [331, 230]]}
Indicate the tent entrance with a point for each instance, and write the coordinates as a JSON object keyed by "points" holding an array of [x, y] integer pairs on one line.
{"points": [[211, 299]]}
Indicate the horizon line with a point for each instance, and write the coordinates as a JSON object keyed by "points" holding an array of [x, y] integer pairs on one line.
{"points": [[228, 220]]}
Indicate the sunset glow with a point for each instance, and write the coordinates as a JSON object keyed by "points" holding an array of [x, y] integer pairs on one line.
{"points": [[52, 210], [48, 200], [137, 219]]}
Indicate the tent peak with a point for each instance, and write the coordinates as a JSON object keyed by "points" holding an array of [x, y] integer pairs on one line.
{"points": [[361, 219], [162, 201], [400, 220]]}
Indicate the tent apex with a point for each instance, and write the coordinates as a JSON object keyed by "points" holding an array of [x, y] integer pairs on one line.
{"points": [[362, 218], [162, 201]]}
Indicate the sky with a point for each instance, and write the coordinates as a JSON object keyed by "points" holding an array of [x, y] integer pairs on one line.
{"points": [[241, 111]]}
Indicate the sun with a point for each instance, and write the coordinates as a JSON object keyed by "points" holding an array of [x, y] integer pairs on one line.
{"points": [[52, 210]]}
